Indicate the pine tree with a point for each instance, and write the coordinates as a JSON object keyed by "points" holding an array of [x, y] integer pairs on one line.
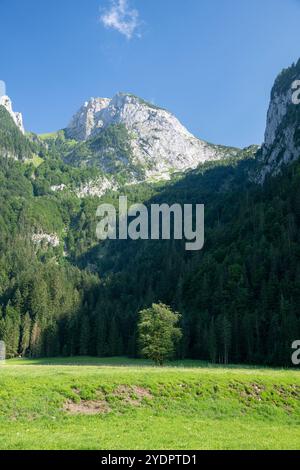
{"points": [[212, 342], [36, 340], [25, 334], [84, 335], [12, 330]]}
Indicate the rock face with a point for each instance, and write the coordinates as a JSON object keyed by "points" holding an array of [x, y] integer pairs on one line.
{"points": [[97, 187], [159, 143], [282, 137], [58, 187], [46, 239], [87, 120], [17, 117]]}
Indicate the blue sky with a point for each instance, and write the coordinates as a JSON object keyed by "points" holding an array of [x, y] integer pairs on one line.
{"points": [[211, 62]]}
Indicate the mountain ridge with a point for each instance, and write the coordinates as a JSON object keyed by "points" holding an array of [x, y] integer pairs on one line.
{"points": [[157, 139], [282, 136], [6, 102], [125, 138], [64, 293]]}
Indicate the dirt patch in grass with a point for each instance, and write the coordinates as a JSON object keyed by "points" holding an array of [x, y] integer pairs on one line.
{"points": [[133, 395], [292, 391], [87, 407], [100, 404], [255, 391], [252, 391]]}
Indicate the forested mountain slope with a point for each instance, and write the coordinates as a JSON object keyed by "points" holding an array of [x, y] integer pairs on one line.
{"points": [[64, 293]]}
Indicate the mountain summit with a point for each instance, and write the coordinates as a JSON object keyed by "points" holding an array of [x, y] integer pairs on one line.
{"points": [[87, 119], [159, 143], [17, 117]]}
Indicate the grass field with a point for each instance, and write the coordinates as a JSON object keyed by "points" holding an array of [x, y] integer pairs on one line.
{"points": [[36, 161], [88, 403]]}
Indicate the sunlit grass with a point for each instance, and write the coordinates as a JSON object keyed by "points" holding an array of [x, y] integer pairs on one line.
{"points": [[36, 161], [188, 405]]}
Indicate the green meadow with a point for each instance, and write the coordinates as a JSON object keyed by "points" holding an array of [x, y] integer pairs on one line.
{"points": [[109, 404]]}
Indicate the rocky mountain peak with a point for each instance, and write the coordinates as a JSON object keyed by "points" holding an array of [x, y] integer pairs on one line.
{"points": [[17, 117], [159, 143], [282, 136], [87, 119]]}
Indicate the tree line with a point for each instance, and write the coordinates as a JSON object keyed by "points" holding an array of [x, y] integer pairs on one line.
{"points": [[238, 298]]}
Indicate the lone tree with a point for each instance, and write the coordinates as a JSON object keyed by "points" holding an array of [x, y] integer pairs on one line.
{"points": [[158, 332]]}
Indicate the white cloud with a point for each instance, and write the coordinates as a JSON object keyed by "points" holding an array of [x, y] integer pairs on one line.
{"points": [[121, 18]]}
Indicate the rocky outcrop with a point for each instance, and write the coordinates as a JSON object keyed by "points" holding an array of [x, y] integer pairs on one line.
{"points": [[46, 239], [282, 136], [58, 187], [87, 120], [17, 117], [96, 187], [159, 143]]}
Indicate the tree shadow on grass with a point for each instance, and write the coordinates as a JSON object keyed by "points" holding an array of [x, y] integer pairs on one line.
{"points": [[85, 361]]}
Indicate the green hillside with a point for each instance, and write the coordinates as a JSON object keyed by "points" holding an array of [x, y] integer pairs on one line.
{"points": [[62, 293], [12, 142], [238, 297]]}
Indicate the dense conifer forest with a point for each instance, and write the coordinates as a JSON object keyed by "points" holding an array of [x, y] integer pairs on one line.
{"points": [[238, 297]]}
